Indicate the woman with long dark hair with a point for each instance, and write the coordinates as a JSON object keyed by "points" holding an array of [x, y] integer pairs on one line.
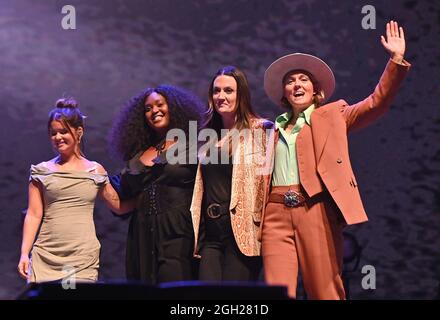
{"points": [[228, 194]]}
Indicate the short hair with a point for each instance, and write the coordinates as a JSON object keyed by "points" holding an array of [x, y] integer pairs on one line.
{"points": [[318, 98]]}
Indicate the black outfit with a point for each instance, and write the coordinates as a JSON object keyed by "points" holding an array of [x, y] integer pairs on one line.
{"points": [[221, 260], [160, 239]]}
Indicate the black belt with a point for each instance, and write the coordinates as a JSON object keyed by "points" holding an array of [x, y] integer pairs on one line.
{"points": [[216, 210]]}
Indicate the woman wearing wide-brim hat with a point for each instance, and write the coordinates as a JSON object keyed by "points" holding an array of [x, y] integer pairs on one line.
{"points": [[313, 192]]}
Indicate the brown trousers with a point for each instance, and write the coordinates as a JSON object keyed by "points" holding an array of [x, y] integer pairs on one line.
{"points": [[308, 236]]}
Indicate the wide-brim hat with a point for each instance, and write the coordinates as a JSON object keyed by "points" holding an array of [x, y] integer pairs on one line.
{"points": [[321, 72]]}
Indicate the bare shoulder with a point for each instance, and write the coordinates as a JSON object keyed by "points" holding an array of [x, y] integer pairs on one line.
{"points": [[49, 164], [99, 168], [51, 161], [92, 166]]}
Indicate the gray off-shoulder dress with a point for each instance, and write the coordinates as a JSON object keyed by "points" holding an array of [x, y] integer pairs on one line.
{"points": [[66, 244]]}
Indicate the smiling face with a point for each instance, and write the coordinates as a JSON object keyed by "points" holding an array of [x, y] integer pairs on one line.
{"points": [[224, 95], [298, 89], [64, 141], [156, 113]]}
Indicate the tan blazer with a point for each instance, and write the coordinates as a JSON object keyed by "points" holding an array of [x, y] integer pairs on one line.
{"points": [[247, 192], [322, 148]]}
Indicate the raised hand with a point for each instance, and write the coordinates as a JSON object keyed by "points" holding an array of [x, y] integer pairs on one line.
{"points": [[395, 42]]}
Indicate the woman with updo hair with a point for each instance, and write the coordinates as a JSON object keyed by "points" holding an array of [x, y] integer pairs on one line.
{"points": [[62, 193]]}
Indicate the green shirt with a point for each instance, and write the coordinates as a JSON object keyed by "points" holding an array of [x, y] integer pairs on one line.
{"points": [[285, 171]]}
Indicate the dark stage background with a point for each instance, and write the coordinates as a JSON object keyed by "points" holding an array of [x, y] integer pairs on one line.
{"points": [[120, 47]]}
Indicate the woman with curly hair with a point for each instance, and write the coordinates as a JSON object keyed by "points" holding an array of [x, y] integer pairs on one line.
{"points": [[160, 237]]}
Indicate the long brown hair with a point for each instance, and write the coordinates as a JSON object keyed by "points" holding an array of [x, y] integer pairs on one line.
{"points": [[245, 112]]}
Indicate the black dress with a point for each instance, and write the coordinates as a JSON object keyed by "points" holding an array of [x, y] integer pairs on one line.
{"points": [[160, 239]]}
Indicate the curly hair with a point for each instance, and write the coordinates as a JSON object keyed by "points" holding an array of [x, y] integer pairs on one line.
{"points": [[130, 133]]}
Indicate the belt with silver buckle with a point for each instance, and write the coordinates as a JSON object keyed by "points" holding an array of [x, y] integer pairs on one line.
{"points": [[215, 210], [290, 198], [293, 199]]}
